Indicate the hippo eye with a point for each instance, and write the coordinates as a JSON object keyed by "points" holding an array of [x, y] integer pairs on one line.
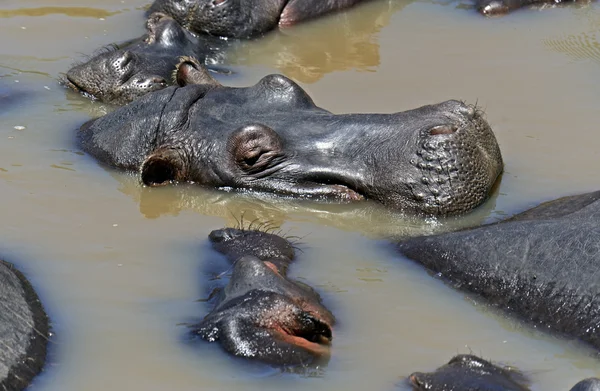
{"points": [[254, 147]]}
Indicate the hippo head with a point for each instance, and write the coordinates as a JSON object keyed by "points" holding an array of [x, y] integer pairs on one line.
{"points": [[466, 372], [439, 159], [261, 314], [120, 75], [244, 18]]}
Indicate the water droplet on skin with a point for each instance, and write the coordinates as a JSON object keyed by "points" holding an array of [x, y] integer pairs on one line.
{"points": [[19, 127]]}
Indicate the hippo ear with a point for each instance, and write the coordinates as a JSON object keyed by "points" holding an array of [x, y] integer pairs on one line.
{"points": [[253, 147], [190, 71], [163, 166]]}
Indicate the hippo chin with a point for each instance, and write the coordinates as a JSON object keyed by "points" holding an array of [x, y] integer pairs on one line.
{"points": [[541, 265], [439, 159], [119, 75], [261, 314], [24, 330], [245, 18]]}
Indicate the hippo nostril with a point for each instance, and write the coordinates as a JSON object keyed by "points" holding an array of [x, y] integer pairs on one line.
{"points": [[121, 61], [443, 129]]}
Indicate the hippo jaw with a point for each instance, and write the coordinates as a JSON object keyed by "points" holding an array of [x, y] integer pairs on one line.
{"points": [[120, 76]]}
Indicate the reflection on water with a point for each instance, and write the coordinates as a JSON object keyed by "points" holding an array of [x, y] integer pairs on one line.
{"points": [[304, 55], [121, 267], [77, 12], [369, 218]]}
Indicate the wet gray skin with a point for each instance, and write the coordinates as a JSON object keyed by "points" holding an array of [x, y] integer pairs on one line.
{"points": [[24, 330], [502, 7], [245, 18], [119, 75], [466, 372], [591, 384], [438, 160], [261, 314], [541, 265]]}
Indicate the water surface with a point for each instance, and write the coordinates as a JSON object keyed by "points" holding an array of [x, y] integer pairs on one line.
{"points": [[120, 267]]}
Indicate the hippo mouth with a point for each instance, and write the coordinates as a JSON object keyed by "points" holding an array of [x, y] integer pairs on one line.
{"points": [[311, 334], [71, 84]]}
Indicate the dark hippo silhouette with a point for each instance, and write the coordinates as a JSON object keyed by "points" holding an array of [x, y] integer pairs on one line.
{"points": [[245, 18], [440, 159], [121, 74], [501, 7], [24, 330], [466, 372], [542, 265], [261, 314]]}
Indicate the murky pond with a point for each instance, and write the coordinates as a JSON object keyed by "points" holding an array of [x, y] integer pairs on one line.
{"points": [[121, 268]]}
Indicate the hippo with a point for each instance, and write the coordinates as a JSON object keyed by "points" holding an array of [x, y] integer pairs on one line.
{"points": [[261, 314], [438, 159], [245, 19], [541, 265], [502, 7], [24, 330], [466, 372], [120, 74]]}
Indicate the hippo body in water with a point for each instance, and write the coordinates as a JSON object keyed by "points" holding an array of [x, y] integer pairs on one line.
{"points": [[542, 265], [247, 18], [261, 314], [440, 159], [24, 330], [501, 7], [119, 75], [466, 372]]}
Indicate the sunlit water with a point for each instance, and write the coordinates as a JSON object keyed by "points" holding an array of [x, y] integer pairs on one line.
{"points": [[120, 268]]}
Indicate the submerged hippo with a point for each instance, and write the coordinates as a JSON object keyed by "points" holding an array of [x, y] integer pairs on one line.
{"points": [[466, 372], [542, 265], [245, 19], [119, 75], [261, 314], [439, 159], [24, 330], [501, 7]]}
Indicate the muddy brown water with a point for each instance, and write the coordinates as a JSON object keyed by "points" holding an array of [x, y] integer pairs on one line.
{"points": [[120, 268]]}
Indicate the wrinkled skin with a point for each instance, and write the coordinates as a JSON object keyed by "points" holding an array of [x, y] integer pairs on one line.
{"points": [[440, 159], [24, 330], [119, 75], [466, 372], [502, 7], [541, 265], [261, 314], [245, 18]]}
